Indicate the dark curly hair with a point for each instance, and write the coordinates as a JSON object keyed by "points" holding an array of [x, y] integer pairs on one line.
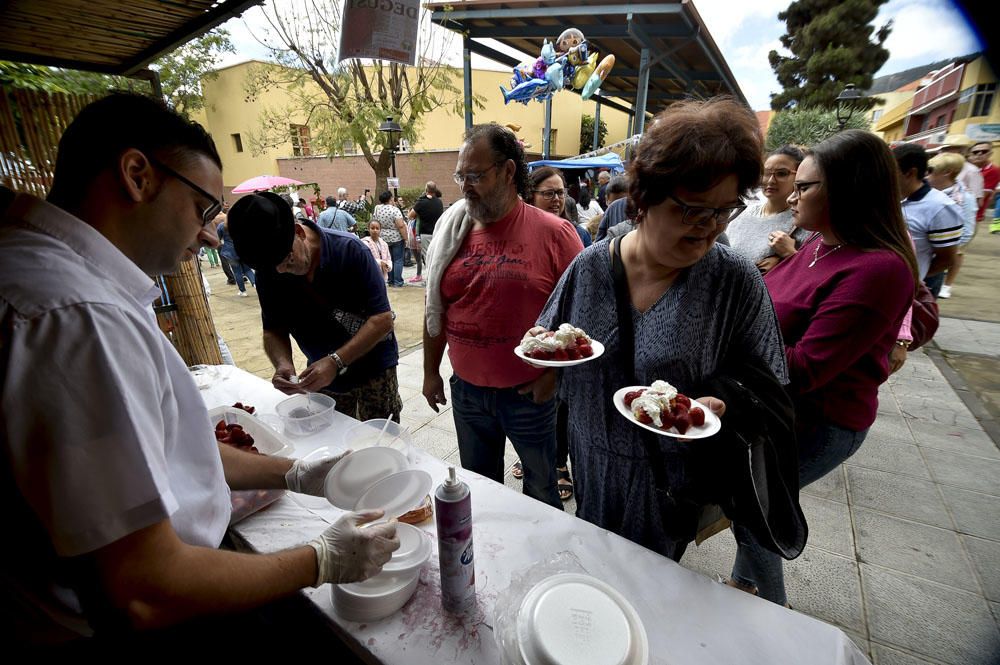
{"points": [[694, 144], [504, 146]]}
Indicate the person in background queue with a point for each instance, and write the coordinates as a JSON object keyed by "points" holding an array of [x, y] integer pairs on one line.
{"points": [[112, 477]]}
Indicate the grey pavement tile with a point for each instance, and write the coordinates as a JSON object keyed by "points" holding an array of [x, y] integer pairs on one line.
{"points": [[417, 412], [713, 557], [995, 608], [975, 513], [915, 406], [887, 405], [436, 441], [860, 641], [898, 495], [890, 455], [916, 549], [890, 427], [924, 617], [935, 388], [829, 525], [410, 376], [967, 471], [406, 392], [883, 655], [414, 358], [956, 439], [445, 420], [831, 486], [826, 586], [985, 555]]}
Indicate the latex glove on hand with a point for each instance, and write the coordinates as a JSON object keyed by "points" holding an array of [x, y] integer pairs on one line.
{"points": [[309, 477], [347, 553]]}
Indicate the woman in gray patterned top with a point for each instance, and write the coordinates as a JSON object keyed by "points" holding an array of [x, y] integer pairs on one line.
{"points": [[394, 234], [694, 306], [764, 233]]}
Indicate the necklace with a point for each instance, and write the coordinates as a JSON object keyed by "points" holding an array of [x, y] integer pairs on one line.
{"points": [[817, 257]]}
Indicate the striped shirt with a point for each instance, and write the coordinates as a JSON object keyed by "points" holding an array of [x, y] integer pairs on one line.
{"points": [[935, 222]]}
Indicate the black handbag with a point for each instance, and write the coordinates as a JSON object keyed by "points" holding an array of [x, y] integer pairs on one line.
{"points": [[749, 469]]}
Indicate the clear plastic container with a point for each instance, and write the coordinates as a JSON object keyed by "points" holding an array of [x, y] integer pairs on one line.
{"points": [[366, 434], [305, 415]]}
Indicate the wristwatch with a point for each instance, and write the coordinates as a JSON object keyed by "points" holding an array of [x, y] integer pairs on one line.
{"points": [[905, 343], [341, 366]]}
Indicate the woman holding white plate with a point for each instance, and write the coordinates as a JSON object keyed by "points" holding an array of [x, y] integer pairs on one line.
{"points": [[690, 308]]}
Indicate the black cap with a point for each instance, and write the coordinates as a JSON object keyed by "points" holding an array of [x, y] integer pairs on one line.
{"points": [[262, 228]]}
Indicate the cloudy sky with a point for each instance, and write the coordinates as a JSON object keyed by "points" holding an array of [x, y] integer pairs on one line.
{"points": [[745, 30]]}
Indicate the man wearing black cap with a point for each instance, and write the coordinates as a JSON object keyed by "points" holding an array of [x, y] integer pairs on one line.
{"points": [[321, 287]]}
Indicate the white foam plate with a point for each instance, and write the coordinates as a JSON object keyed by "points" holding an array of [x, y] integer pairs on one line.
{"points": [[353, 475], [711, 426], [598, 352], [572, 618], [396, 494], [414, 550]]}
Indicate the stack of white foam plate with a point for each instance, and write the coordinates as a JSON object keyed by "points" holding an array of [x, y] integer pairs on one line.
{"points": [[572, 619]]}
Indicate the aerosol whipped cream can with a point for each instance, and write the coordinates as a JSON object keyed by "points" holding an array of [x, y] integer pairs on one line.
{"points": [[453, 513]]}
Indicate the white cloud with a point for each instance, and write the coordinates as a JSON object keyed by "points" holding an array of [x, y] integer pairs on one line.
{"points": [[925, 31]]}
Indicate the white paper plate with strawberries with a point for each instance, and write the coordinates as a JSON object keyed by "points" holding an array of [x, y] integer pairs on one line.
{"points": [[666, 412], [565, 347]]}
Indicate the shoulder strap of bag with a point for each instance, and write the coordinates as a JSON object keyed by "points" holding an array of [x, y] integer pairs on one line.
{"points": [[626, 345]]}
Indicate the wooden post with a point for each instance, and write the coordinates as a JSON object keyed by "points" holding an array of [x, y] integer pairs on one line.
{"points": [[194, 331]]}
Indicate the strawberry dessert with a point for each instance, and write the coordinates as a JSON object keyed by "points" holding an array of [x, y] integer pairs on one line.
{"points": [[662, 406], [566, 343]]}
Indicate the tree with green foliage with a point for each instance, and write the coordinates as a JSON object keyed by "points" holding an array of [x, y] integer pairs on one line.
{"points": [[181, 72], [832, 43], [343, 104], [587, 133], [807, 127]]}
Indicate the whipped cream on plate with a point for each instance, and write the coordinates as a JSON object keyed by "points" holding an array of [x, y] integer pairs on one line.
{"points": [[562, 338], [658, 397]]}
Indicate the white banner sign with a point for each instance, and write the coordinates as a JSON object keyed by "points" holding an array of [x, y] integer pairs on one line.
{"points": [[392, 183], [380, 30], [977, 132]]}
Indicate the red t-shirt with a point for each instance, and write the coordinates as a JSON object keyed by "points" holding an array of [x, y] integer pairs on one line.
{"points": [[494, 289], [991, 177]]}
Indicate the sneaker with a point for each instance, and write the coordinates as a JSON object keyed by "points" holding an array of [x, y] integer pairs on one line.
{"points": [[945, 292], [415, 280], [244, 294]]}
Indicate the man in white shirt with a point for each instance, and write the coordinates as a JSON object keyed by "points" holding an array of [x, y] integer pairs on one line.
{"points": [[970, 177], [116, 488]]}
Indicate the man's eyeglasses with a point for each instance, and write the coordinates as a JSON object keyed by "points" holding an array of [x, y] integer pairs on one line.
{"points": [[549, 194], [777, 174], [699, 215], [472, 178], [980, 152], [803, 186], [212, 211]]}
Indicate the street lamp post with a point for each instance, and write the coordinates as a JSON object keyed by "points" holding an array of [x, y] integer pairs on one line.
{"points": [[847, 102], [394, 131]]}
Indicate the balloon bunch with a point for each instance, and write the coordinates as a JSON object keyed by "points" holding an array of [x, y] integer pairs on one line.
{"points": [[566, 65]]}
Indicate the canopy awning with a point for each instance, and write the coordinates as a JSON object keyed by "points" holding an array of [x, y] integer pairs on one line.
{"points": [[607, 161]]}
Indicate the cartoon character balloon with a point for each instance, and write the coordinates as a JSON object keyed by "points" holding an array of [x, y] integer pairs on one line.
{"points": [[566, 65]]}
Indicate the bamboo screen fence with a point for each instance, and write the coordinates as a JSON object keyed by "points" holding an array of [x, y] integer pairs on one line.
{"points": [[31, 123]]}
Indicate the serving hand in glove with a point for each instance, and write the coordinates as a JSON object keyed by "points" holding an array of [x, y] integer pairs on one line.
{"points": [[347, 553], [309, 477]]}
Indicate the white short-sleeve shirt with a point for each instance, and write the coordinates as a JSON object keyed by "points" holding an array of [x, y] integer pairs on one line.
{"points": [[104, 431]]}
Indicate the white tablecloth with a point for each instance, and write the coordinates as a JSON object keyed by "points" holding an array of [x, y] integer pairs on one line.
{"points": [[688, 618]]}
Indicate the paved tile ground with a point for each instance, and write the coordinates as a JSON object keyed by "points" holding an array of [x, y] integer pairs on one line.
{"points": [[904, 547]]}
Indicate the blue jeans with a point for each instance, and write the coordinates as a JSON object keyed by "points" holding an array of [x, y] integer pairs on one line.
{"points": [[935, 282], [239, 270], [486, 417], [821, 450], [396, 252]]}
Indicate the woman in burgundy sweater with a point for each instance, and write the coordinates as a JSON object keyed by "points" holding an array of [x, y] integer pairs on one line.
{"points": [[840, 300]]}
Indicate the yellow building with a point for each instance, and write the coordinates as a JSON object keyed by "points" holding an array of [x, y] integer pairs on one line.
{"points": [[977, 114], [230, 116]]}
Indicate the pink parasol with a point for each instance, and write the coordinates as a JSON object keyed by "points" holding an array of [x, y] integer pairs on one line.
{"points": [[263, 183]]}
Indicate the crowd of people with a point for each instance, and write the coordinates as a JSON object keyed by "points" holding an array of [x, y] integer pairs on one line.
{"points": [[776, 289]]}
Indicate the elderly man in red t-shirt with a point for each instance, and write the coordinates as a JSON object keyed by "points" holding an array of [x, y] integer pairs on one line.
{"points": [[979, 156], [492, 266]]}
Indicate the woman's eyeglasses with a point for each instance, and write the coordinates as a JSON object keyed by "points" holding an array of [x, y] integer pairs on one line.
{"points": [[700, 215], [777, 174], [803, 186], [549, 194]]}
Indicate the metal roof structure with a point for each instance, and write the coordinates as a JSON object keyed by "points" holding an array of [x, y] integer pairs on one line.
{"points": [[107, 36], [663, 50]]}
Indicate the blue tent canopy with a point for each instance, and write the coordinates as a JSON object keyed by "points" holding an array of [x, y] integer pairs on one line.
{"points": [[608, 160]]}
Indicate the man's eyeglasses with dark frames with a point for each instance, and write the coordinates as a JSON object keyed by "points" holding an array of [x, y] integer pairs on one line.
{"points": [[699, 215], [472, 178], [980, 152], [212, 211]]}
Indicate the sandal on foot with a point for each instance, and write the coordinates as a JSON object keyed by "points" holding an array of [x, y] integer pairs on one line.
{"points": [[746, 588], [564, 484], [517, 470]]}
